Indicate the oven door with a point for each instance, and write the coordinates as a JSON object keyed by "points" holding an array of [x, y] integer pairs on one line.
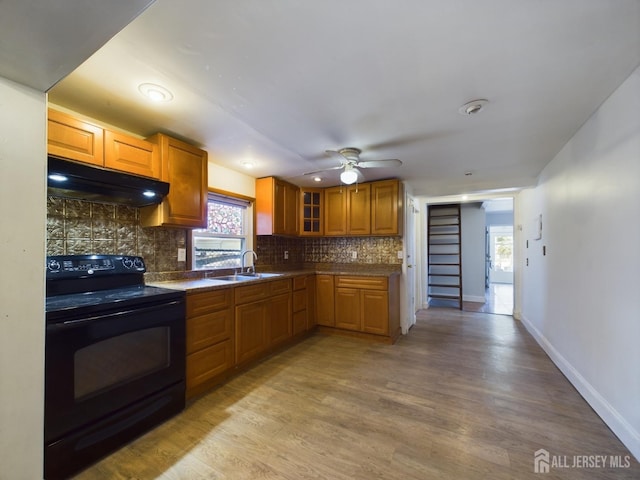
{"points": [[96, 366]]}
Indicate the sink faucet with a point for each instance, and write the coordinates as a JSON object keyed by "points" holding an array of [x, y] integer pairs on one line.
{"points": [[242, 257]]}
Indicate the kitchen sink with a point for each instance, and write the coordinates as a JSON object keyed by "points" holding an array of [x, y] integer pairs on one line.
{"points": [[259, 275], [244, 277]]}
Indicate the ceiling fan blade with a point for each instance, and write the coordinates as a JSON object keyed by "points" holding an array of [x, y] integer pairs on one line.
{"points": [[324, 170], [390, 162]]}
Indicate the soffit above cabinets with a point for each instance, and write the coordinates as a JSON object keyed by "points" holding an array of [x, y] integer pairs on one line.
{"points": [[42, 43]]}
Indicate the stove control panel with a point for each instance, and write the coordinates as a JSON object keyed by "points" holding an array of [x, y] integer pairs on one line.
{"points": [[76, 266]]}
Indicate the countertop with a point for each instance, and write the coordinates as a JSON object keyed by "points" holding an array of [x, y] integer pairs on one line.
{"points": [[195, 281]]}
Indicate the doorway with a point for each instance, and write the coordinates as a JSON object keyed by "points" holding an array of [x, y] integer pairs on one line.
{"points": [[500, 268], [498, 259]]}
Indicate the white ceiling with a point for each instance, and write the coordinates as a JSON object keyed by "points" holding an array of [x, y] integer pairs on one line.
{"points": [[278, 82]]}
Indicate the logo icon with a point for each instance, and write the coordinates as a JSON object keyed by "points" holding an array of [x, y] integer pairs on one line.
{"points": [[541, 461]]}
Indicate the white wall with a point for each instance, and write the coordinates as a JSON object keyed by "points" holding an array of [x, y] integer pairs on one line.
{"points": [[222, 178], [499, 218], [473, 255], [581, 301], [22, 256]]}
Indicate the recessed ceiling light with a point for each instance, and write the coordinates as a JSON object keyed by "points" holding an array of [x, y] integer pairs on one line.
{"points": [[155, 93], [465, 197], [473, 107], [317, 179], [247, 165]]}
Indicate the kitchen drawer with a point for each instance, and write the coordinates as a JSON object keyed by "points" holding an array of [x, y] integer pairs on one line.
{"points": [[251, 293], [299, 300], [367, 283], [208, 363], [280, 286], [208, 329], [205, 302], [300, 282]]}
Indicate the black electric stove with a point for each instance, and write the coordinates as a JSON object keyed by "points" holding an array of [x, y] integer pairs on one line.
{"points": [[114, 358]]}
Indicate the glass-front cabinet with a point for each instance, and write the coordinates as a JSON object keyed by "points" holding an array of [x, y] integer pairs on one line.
{"points": [[311, 212]]}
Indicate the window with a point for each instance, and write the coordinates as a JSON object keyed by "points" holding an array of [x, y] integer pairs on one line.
{"points": [[220, 245]]}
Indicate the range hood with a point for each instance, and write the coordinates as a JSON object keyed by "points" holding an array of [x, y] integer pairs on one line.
{"points": [[95, 184]]}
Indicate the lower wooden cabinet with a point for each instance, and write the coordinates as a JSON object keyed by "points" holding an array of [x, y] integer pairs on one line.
{"points": [[365, 305], [348, 309], [375, 312], [251, 330], [279, 328], [325, 300], [229, 329], [262, 318], [311, 302], [303, 305], [210, 362], [209, 342]]}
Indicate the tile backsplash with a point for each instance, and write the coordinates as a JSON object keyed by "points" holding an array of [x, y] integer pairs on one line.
{"points": [[81, 227], [369, 250]]}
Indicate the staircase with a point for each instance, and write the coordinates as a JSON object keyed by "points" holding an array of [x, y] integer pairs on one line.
{"points": [[445, 256]]}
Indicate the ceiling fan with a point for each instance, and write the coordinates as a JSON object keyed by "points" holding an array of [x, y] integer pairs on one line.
{"points": [[350, 162]]}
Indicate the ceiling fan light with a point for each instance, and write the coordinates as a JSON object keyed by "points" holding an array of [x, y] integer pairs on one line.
{"points": [[349, 176]]}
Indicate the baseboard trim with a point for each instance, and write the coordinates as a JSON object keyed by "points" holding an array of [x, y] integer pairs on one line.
{"points": [[616, 422]]}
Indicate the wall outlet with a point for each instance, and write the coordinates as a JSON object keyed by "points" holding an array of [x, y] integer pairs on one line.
{"points": [[354, 255], [182, 254], [286, 254], [400, 254]]}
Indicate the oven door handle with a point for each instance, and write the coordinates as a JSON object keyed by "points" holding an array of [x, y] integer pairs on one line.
{"points": [[80, 322]]}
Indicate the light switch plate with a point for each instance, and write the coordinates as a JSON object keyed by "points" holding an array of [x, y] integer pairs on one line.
{"points": [[354, 255], [182, 254], [400, 254], [286, 254]]}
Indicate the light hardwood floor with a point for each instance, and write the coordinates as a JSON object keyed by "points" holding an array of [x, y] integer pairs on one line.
{"points": [[463, 396]]}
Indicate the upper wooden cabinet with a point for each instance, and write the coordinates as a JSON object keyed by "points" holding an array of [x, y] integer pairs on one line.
{"points": [[311, 203], [68, 137], [347, 210], [129, 154], [358, 209], [366, 209], [386, 207], [185, 168], [74, 139], [335, 211], [276, 207]]}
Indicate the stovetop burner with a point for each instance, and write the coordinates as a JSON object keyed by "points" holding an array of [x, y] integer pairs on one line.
{"points": [[87, 284], [118, 297]]}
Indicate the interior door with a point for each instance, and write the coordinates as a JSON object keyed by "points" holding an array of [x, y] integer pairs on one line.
{"points": [[410, 266]]}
